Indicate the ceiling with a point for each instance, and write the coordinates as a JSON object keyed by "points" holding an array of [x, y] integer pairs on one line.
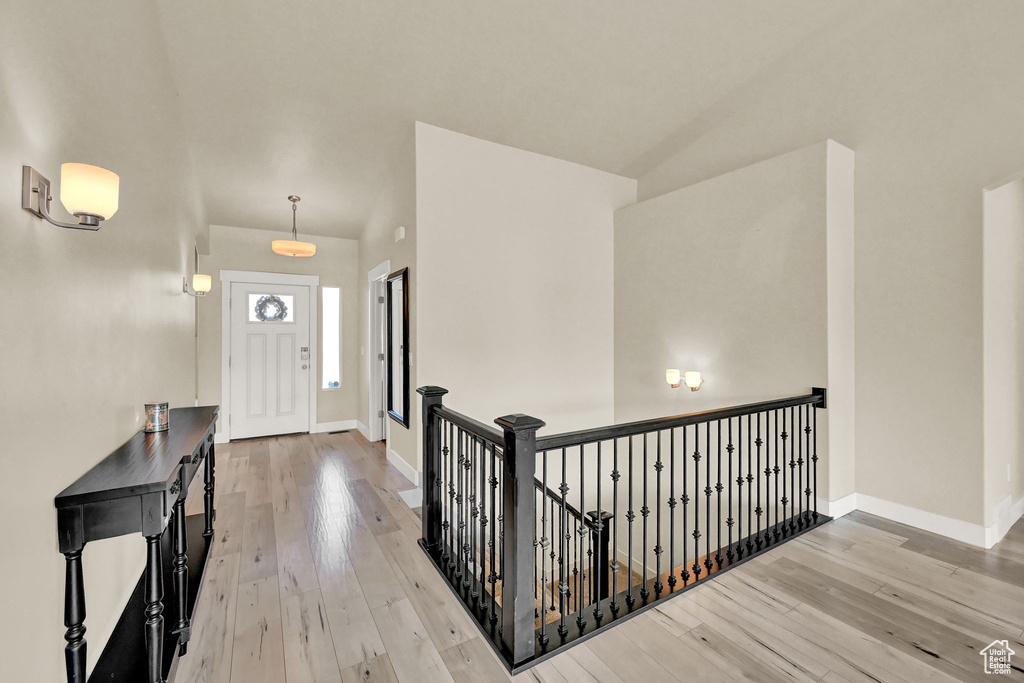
{"points": [[315, 97]]}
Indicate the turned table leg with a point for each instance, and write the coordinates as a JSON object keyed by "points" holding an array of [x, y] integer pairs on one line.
{"points": [[154, 609], [74, 617], [182, 628], [209, 480]]}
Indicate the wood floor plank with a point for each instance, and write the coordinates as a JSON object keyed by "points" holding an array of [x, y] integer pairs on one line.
{"points": [[229, 526], [868, 648], [295, 567], [789, 660], [622, 656], [473, 660], [308, 645], [673, 618], [376, 577], [373, 510], [648, 635], [413, 656], [577, 664], [258, 649], [832, 654], [375, 670], [445, 620], [729, 657], [259, 544], [209, 655], [950, 652]]}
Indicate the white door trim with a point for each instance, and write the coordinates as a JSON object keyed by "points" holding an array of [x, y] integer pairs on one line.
{"points": [[375, 278], [255, 277]]}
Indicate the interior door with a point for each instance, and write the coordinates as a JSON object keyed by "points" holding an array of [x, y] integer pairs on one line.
{"points": [[269, 365]]}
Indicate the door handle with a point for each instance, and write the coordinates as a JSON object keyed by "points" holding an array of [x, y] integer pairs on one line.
{"points": [[304, 367]]}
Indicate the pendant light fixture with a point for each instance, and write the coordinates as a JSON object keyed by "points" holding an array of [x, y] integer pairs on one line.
{"points": [[293, 247]]}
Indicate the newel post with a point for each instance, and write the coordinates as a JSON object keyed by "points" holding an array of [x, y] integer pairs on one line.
{"points": [[431, 511], [519, 461]]}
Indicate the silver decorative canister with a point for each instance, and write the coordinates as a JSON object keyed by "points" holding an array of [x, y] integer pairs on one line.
{"points": [[156, 417]]}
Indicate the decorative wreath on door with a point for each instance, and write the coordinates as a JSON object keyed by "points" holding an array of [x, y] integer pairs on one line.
{"points": [[269, 307]]}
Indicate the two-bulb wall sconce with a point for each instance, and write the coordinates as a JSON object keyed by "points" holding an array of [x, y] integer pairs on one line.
{"points": [[89, 193], [691, 379]]}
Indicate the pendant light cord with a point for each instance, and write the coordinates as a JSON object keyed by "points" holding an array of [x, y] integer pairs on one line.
{"points": [[295, 236]]}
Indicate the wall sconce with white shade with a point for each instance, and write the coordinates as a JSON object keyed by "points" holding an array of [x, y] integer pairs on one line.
{"points": [[201, 284], [691, 379], [89, 193], [293, 247]]}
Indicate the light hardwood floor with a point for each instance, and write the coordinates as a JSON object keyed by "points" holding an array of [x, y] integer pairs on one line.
{"points": [[315, 575]]}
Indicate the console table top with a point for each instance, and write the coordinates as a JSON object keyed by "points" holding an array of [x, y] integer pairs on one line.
{"points": [[145, 463]]}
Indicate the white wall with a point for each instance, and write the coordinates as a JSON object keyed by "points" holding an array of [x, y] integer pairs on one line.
{"points": [[1004, 349], [96, 322], [734, 277], [335, 262], [514, 253], [395, 206], [929, 95]]}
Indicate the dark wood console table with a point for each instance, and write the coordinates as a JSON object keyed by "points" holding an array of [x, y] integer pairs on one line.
{"points": [[139, 488]]}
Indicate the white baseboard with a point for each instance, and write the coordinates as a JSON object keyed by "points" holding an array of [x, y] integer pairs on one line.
{"points": [[957, 529], [412, 497], [1007, 514], [363, 429], [837, 508], [405, 468], [336, 426]]}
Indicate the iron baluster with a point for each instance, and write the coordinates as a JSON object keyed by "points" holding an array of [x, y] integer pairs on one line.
{"points": [[658, 467], [684, 498], [581, 530], [794, 495], [758, 511], [809, 452], [750, 486], [563, 537], [644, 512], [671, 509], [696, 503], [630, 599], [775, 471], [613, 605], [814, 459], [799, 434], [474, 518], [600, 566], [729, 521]]}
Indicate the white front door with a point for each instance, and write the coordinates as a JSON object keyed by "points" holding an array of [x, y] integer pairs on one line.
{"points": [[270, 366]]}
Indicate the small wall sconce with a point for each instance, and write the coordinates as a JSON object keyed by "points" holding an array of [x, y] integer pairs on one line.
{"points": [[201, 284], [88, 192], [691, 379]]}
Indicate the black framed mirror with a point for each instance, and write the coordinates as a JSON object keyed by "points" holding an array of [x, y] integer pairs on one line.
{"points": [[397, 352]]}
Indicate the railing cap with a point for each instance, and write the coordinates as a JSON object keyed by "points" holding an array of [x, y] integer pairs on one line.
{"points": [[519, 423], [430, 391]]}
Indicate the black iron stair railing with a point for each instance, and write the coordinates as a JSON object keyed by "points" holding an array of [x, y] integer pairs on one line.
{"points": [[537, 574]]}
